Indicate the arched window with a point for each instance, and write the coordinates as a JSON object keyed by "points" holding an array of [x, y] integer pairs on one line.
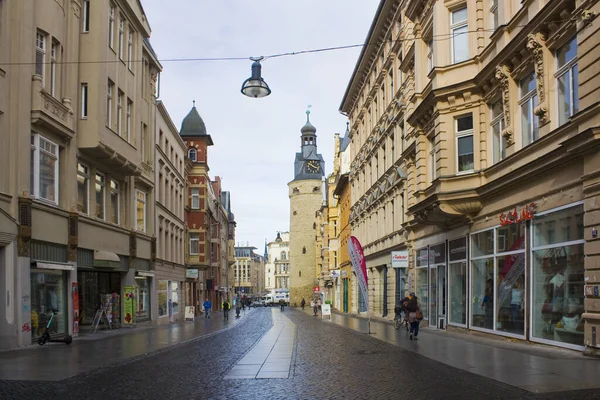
{"points": [[283, 255], [192, 154], [304, 250]]}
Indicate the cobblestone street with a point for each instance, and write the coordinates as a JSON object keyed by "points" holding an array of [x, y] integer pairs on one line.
{"points": [[328, 362]]}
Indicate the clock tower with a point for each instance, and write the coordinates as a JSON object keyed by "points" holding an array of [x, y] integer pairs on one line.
{"points": [[306, 196]]}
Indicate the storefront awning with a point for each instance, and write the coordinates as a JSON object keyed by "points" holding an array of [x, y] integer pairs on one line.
{"points": [[106, 259], [64, 267]]}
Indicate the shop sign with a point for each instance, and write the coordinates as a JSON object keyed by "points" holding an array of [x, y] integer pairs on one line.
{"points": [[400, 259], [514, 216], [316, 289], [146, 274], [335, 273], [422, 257], [437, 254], [191, 274], [128, 306], [458, 249], [344, 273], [189, 313], [326, 310]]}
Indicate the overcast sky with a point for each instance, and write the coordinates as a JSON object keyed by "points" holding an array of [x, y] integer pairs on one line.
{"points": [[256, 139]]}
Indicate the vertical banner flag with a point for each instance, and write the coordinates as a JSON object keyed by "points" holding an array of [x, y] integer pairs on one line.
{"points": [[359, 266]]}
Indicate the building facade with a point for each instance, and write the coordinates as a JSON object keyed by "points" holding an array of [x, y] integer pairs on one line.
{"points": [[486, 127], [305, 194], [169, 269], [82, 204], [277, 266], [248, 272]]}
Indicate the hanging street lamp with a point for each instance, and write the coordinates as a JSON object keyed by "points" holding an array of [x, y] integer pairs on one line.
{"points": [[255, 86]]}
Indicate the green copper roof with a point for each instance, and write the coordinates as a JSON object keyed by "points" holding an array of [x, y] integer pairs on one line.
{"points": [[192, 124]]}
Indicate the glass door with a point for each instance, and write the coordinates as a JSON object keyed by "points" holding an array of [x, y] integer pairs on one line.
{"points": [[345, 295], [441, 273], [433, 295]]}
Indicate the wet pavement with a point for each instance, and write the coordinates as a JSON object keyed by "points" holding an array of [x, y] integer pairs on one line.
{"points": [[535, 368], [334, 359], [92, 351]]}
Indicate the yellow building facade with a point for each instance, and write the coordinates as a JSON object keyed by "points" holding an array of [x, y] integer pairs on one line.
{"points": [[474, 152]]}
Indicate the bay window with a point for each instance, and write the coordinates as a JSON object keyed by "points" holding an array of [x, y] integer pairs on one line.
{"points": [[567, 81], [100, 186], [195, 198], [194, 243], [83, 188], [529, 100], [464, 143], [498, 125], [140, 210], [44, 169], [459, 33]]}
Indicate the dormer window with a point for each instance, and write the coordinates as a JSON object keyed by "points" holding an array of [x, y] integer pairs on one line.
{"points": [[192, 154]]}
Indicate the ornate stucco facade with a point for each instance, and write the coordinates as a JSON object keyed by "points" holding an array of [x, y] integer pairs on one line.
{"points": [[277, 267], [473, 144]]}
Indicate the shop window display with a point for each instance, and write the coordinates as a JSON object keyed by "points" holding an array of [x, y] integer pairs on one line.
{"points": [[162, 298], [174, 297], [457, 281], [422, 291], [96, 290], [48, 293], [142, 298], [558, 276], [482, 293]]}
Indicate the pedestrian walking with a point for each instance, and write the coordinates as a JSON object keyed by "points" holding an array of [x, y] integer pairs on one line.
{"points": [[238, 307], [207, 306], [414, 315], [303, 303], [282, 304], [226, 307]]}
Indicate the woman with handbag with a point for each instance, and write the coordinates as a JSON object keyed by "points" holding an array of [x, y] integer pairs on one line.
{"points": [[414, 315]]}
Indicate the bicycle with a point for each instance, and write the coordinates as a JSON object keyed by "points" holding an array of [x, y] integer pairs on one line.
{"points": [[401, 319]]}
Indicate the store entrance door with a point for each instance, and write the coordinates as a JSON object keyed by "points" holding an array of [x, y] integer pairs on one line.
{"points": [[345, 295], [437, 279]]}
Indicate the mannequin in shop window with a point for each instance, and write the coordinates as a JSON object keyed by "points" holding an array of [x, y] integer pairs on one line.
{"points": [[552, 310]]}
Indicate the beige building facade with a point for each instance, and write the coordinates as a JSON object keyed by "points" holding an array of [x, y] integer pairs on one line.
{"points": [[306, 193], [482, 115], [169, 268], [277, 266], [82, 201]]}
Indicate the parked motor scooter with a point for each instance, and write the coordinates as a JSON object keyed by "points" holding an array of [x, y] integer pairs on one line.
{"points": [[45, 338]]}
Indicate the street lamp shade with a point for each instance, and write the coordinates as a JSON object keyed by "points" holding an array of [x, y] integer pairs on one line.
{"points": [[255, 86]]}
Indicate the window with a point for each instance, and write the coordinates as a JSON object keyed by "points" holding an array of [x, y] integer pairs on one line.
{"points": [[53, 51], [567, 81], [195, 198], [121, 34], [86, 16], [44, 169], [430, 55], [529, 101], [194, 243], [192, 154], [459, 30], [498, 125], [494, 14], [83, 188], [128, 127], [464, 143], [114, 201], [120, 113], [111, 27], [174, 297], [84, 100], [130, 48], [40, 54], [109, 95], [432, 159], [100, 184], [140, 210]]}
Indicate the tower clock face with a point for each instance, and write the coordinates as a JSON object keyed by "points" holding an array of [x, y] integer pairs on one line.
{"points": [[314, 167]]}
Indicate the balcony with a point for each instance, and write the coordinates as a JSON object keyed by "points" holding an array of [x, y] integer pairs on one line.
{"points": [[49, 112]]}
